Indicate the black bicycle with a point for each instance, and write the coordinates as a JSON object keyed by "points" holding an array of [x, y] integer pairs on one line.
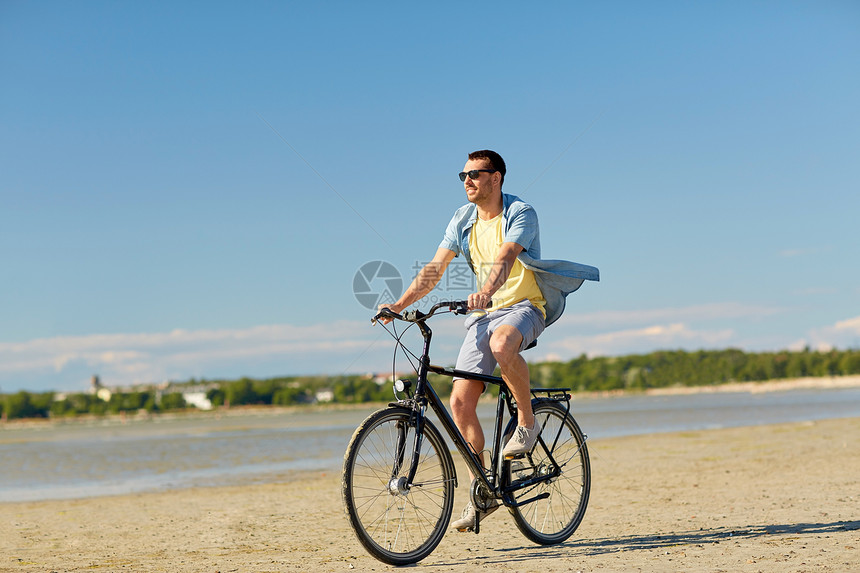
{"points": [[399, 477]]}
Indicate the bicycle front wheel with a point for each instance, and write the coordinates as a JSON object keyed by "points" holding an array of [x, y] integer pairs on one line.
{"points": [[397, 522], [561, 500]]}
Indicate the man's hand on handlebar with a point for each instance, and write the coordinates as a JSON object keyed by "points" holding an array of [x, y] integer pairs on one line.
{"points": [[480, 301], [390, 306]]}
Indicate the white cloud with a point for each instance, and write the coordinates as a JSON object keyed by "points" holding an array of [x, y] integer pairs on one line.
{"points": [[647, 339], [148, 357], [614, 332], [66, 362], [851, 325], [712, 311], [802, 344], [126, 358], [842, 334]]}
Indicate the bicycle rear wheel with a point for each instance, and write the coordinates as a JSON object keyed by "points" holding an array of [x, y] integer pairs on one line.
{"points": [[398, 523], [556, 515]]}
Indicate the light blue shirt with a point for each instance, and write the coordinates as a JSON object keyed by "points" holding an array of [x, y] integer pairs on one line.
{"points": [[556, 279]]}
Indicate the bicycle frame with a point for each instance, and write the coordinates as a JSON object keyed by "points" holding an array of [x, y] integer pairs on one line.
{"points": [[489, 478]]}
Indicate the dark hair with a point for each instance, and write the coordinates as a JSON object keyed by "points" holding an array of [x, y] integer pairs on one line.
{"points": [[496, 161]]}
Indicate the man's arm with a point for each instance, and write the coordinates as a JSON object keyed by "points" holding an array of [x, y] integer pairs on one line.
{"points": [[502, 266], [426, 280]]}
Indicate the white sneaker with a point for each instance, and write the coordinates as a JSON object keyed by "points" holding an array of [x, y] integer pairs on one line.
{"points": [[522, 442], [467, 521]]}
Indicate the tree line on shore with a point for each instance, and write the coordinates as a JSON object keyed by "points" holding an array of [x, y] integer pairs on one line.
{"points": [[633, 372]]}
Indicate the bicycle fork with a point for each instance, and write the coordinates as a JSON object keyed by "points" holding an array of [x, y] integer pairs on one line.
{"points": [[401, 484]]}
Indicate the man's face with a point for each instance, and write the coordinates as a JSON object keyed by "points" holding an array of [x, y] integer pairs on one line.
{"points": [[480, 189]]}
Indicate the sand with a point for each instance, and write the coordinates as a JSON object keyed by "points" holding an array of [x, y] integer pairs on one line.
{"points": [[769, 498]]}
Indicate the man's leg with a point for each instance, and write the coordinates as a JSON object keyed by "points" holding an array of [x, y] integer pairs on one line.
{"points": [[464, 409], [505, 345]]}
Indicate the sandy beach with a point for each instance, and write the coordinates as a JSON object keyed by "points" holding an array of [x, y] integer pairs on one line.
{"points": [[768, 498]]}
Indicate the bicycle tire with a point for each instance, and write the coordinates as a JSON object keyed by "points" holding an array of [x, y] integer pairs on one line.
{"points": [[397, 526], [554, 518]]}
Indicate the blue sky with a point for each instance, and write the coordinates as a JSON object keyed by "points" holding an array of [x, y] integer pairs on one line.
{"points": [[188, 189]]}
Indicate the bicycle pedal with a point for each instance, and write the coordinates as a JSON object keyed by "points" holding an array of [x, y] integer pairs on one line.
{"points": [[471, 529], [515, 456], [518, 466]]}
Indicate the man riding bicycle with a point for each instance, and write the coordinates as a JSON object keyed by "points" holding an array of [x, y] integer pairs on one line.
{"points": [[499, 237]]}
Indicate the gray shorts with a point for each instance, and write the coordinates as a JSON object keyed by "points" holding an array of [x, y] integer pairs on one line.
{"points": [[475, 354]]}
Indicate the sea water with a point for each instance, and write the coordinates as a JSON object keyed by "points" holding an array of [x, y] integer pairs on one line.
{"points": [[105, 457]]}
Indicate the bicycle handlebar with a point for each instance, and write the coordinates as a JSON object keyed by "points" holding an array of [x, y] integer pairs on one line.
{"points": [[456, 306]]}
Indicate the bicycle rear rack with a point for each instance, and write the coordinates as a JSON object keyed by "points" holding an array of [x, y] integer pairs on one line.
{"points": [[552, 394]]}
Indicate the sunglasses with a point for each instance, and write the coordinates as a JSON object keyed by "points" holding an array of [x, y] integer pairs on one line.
{"points": [[474, 173]]}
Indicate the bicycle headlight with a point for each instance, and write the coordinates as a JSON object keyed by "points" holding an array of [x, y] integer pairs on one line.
{"points": [[402, 385]]}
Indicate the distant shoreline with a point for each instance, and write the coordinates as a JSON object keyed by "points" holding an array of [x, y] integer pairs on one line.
{"points": [[808, 383]]}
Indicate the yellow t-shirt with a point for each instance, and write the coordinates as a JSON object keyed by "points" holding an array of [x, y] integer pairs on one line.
{"points": [[484, 242]]}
